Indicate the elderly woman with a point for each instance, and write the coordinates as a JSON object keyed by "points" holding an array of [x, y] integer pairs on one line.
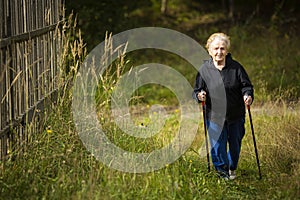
{"points": [[225, 87]]}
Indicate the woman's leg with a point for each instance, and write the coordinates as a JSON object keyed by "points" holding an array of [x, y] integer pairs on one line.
{"points": [[218, 142], [236, 132]]}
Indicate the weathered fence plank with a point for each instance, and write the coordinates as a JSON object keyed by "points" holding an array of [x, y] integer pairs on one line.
{"points": [[29, 55]]}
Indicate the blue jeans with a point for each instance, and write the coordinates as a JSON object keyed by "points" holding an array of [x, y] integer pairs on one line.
{"points": [[231, 134]]}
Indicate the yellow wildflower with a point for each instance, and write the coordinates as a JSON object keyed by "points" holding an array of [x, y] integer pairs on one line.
{"points": [[49, 131]]}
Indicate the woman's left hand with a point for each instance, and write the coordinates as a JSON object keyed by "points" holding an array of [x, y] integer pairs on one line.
{"points": [[248, 100]]}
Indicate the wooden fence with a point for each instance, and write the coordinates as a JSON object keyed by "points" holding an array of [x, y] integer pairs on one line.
{"points": [[30, 48]]}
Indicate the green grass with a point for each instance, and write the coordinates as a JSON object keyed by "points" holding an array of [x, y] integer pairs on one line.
{"points": [[57, 166]]}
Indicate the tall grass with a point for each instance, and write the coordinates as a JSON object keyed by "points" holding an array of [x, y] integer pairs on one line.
{"points": [[57, 166]]}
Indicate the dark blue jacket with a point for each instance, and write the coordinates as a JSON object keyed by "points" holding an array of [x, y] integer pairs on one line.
{"points": [[225, 89]]}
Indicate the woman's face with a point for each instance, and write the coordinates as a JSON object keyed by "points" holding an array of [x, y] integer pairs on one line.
{"points": [[218, 50]]}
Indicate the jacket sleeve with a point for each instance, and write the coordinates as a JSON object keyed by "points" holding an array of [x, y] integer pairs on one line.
{"points": [[199, 86], [247, 87]]}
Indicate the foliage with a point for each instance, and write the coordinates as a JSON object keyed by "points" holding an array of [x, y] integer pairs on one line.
{"points": [[257, 37], [98, 17]]}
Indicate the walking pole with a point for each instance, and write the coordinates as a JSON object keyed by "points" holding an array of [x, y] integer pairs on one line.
{"points": [[254, 142], [205, 133]]}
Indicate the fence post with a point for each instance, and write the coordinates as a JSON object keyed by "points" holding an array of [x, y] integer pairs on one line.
{"points": [[7, 109]]}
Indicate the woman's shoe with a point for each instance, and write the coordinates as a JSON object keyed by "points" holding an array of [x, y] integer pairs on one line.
{"points": [[232, 174]]}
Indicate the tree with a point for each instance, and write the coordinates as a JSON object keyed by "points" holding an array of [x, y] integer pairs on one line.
{"points": [[228, 7], [164, 6]]}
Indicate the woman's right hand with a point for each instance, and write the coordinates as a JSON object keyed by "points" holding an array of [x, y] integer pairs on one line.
{"points": [[202, 95]]}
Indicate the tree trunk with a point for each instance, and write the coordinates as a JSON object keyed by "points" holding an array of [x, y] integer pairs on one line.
{"points": [[164, 6], [231, 9], [228, 8]]}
